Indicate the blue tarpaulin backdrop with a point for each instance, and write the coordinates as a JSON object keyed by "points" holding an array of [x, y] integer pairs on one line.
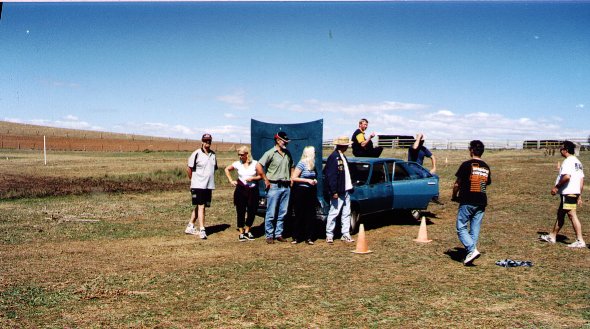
{"points": [[301, 135]]}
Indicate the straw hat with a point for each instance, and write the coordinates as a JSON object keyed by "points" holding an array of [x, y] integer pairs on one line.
{"points": [[342, 140]]}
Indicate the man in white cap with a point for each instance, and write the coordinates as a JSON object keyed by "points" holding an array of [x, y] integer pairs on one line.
{"points": [[339, 185], [201, 171]]}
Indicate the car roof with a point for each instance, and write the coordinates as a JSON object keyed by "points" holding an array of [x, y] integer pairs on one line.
{"points": [[371, 160]]}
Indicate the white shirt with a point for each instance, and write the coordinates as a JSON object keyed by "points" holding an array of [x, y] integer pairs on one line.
{"points": [[347, 180], [573, 167], [204, 175], [244, 173]]}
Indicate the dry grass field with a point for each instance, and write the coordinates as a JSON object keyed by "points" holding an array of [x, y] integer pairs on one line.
{"points": [[95, 240]]}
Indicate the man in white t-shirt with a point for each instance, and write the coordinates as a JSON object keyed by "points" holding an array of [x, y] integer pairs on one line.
{"points": [[569, 185], [201, 171]]}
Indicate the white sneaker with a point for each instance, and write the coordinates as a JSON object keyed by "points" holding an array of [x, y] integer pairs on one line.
{"points": [[471, 257], [547, 238], [190, 230], [577, 244], [347, 238], [202, 234]]}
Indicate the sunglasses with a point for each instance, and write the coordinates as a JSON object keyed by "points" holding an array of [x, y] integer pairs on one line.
{"points": [[207, 141], [242, 154]]}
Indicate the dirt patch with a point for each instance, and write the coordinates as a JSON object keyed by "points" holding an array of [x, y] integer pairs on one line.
{"points": [[15, 186]]}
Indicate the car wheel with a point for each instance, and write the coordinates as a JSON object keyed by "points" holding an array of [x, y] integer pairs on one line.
{"points": [[355, 221]]}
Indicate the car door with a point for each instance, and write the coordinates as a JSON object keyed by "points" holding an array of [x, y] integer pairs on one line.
{"points": [[359, 174], [413, 186], [379, 190]]}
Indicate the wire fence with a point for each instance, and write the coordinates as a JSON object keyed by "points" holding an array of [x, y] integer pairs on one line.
{"points": [[463, 144]]}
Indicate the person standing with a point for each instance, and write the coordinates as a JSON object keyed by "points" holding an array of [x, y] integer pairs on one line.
{"points": [[417, 152], [246, 193], [305, 196], [278, 165], [470, 190], [569, 186], [363, 146], [339, 186], [202, 164]]}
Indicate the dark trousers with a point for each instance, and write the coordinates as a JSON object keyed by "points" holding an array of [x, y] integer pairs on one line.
{"points": [[246, 202], [304, 205], [373, 152]]}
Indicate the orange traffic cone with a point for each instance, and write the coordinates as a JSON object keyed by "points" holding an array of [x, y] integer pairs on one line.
{"points": [[361, 242], [422, 234]]}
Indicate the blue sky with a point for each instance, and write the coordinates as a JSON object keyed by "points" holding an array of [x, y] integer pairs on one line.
{"points": [[453, 70]]}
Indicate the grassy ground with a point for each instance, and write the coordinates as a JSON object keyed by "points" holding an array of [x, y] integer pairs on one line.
{"points": [[119, 259]]}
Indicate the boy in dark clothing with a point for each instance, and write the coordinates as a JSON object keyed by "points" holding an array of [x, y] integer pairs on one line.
{"points": [[473, 177]]}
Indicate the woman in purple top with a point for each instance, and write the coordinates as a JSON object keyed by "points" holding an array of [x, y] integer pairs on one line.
{"points": [[304, 196]]}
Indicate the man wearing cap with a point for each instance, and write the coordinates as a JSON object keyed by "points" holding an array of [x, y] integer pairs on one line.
{"points": [[363, 146], [339, 186], [201, 169], [278, 165]]}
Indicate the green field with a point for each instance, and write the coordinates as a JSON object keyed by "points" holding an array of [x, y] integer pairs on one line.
{"points": [[95, 240]]}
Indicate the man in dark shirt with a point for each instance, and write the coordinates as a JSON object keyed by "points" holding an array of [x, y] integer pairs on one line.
{"points": [[362, 146], [417, 152], [473, 177]]}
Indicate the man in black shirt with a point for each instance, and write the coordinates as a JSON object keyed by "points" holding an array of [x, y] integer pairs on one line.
{"points": [[473, 177]]}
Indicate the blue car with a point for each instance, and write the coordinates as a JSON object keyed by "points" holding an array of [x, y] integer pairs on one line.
{"points": [[382, 184]]}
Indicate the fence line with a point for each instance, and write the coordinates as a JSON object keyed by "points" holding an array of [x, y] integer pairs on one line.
{"points": [[131, 143], [462, 144]]}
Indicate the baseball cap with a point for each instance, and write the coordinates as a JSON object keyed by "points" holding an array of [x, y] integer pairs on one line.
{"points": [[282, 135], [206, 137]]}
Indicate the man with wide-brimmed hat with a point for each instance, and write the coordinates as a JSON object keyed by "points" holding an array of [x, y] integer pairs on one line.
{"points": [[339, 186], [278, 165]]}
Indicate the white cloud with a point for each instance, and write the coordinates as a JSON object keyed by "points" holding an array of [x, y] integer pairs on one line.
{"points": [[229, 116], [59, 84], [156, 129], [397, 118], [69, 122], [580, 106], [236, 100], [316, 106]]}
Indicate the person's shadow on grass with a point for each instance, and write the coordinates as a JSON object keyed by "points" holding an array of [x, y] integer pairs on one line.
{"points": [[217, 228], [559, 238], [457, 254]]}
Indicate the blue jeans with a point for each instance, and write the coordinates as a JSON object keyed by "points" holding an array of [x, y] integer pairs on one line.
{"points": [[276, 210], [473, 215], [342, 204]]}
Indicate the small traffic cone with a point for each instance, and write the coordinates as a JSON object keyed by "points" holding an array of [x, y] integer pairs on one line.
{"points": [[361, 242], [422, 234]]}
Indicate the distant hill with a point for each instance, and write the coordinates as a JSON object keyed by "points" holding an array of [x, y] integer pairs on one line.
{"points": [[27, 136]]}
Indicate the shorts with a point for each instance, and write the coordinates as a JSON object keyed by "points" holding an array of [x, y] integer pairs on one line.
{"points": [[201, 196], [569, 201]]}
